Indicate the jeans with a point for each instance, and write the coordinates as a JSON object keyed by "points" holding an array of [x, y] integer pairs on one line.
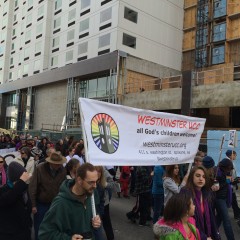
{"points": [[222, 216], [236, 210], [158, 205], [38, 217]]}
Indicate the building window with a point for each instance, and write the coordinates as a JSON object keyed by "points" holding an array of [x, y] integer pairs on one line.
{"points": [[2, 49], [130, 15], [104, 40], [57, 23], [106, 15], [54, 61], [14, 17], [56, 42], [1, 63], [15, 3], [69, 55], [40, 11], [71, 14], [30, 3], [38, 47], [84, 25], [25, 69], [58, 4], [11, 61], [28, 35], [4, 22], [37, 65], [39, 29], [12, 47], [14, 32], [129, 41], [82, 48], [29, 19], [70, 35], [19, 74], [218, 55], [219, 32], [27, 52], [85, 3], [201, 37], [220, 8]]}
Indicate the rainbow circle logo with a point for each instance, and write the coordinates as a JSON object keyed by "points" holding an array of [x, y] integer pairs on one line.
{"points": [[105, 133]]}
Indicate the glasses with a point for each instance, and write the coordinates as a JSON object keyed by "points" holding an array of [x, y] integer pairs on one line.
{"points": [[1, 161], [91, 183]]}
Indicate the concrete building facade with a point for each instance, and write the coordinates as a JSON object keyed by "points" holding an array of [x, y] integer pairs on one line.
{"points": [[52, 52]]}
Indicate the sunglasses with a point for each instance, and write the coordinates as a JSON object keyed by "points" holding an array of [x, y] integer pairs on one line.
{"points": [[1, 161]]}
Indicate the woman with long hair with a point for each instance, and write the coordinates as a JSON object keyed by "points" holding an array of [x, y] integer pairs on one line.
{"points": [[177, 221], [3, 171], [71, 168], [80, 153], [172, 183], [199, 188], [26, 160]]}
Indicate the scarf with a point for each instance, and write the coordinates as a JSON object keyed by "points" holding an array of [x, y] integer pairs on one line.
{"points": [[203, 219], [4, 176]]}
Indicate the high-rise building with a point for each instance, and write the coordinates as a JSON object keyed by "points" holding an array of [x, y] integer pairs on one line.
{"points": [[54, 51]]}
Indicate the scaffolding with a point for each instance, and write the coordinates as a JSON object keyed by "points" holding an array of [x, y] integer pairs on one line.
{"points": [[201, 34]]}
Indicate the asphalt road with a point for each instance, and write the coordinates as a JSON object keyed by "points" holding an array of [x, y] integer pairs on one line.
{"points": [[124, 229]]}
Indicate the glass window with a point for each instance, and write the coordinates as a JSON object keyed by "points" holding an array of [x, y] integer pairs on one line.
{"points": [[69, 55], [220, 8], [54, 61], [201, 37], [129, 41], [72, 14], [13, 46], [14, 17], [2, 49], [56, 41], [39, 28], [27, 52], [102, 86], [1, 63], [218, 54], [38, 47], [15, 3], [4, 21], [85, 3], [70, 35], [40, 11], [19, 75], [84, 25], [30, 3], [58, 4], [106, 15], [130, 14], [219, 32], [28, 35], [82, 48], [92, 88], [14, 32], [10, 75], [57, 23], [104, 40], [37, 64], [11, 61], [29, 19], [25, 69]]}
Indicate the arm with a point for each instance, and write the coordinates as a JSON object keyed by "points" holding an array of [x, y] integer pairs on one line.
{"points": [[171, 185], [33, 185]]}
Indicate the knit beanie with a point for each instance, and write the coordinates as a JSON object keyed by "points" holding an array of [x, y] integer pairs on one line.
{"points": [[15, 171], [208, 162]]}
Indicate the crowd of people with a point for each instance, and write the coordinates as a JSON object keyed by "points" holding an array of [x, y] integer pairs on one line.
{"points": [[48, 187]]}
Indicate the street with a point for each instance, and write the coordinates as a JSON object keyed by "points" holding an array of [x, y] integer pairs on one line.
{"points": [[124, 229]]}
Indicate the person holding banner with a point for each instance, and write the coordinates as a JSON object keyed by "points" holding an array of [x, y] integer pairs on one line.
{"points": [[3, 171], [70, 215], [201, 194]]}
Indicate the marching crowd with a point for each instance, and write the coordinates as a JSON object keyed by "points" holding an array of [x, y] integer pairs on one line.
{"points": [[49, 187]]}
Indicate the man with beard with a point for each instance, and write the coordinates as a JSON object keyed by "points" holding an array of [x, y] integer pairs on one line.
{"points": [[70, 215]]}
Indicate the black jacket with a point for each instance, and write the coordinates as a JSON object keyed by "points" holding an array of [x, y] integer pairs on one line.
{"points": [[15, 212]]}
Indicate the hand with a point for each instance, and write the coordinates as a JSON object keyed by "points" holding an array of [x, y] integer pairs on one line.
{"points": [[77, 237], [185, 178], [96, 222], [34, 210], [25, 177]]}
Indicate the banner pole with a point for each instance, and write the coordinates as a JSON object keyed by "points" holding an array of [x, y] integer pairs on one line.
{"points": [[86, 154], [220, 154]]}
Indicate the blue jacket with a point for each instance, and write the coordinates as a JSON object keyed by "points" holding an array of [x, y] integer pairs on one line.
{"points": [[157, 187]]}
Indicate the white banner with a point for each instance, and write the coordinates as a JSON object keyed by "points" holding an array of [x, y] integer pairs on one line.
{"points": [[119, 135]]}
